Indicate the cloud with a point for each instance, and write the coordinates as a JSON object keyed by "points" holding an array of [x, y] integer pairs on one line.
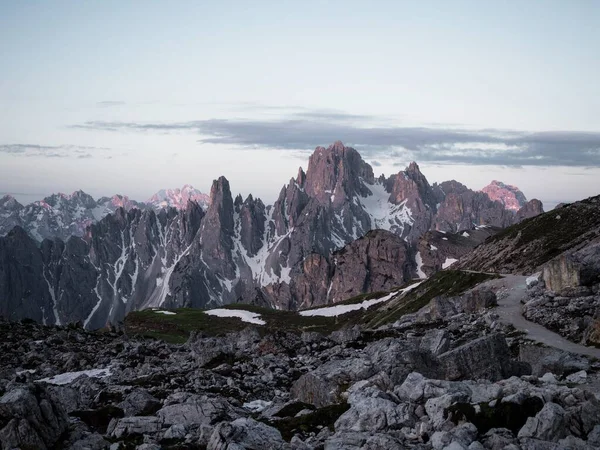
{"points": [[437, 145], [375, 163], [49, 151]]}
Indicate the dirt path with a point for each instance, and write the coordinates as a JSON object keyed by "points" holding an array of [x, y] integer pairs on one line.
{"points": [[509, 310]]}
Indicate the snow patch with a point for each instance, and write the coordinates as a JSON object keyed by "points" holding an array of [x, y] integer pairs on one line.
{"points": [[419, 261], [432, 247], [385, 215], [533, 278], [166, 313], [338, 310], [246, 316], [69, 377], [465, 234], [448, 262]]}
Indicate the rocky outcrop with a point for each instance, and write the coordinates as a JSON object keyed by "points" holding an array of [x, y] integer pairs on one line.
{"points": [[510, 196], [461, 209], [487, 357], [530, 209], [567, 297]]}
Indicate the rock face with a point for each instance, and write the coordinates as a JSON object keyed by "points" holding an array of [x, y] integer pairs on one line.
{"points": [[567, 297], [333, 233], [530, 209], [510, 196], [572, 270], [461, 208]]}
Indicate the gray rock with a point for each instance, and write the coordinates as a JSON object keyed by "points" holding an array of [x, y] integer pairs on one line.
{"points": [[594, 436], [546, 359], [177, 431], [197, 410], [363, 441], [436, 342], [93, 441], [245, 434], [487, 357], [325, 385], [548, 425], [373, 414], [119, 428], [140, 403], [32, 419]]}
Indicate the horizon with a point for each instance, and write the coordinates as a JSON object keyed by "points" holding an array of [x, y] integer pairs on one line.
{"points": [[132, 98], [26, 198]]}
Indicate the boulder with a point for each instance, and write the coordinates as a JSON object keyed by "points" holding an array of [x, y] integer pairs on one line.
{"points": [[372, 410], [324, 385], [127, 426], [245, 434], [487, 357], [550, 424], [32, 419], [551, 360], [140, 403], [363, 441], [198, 410], [581, 268]]}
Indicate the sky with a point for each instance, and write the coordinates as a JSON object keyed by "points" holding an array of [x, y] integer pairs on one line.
{"points": [[131, 97]]}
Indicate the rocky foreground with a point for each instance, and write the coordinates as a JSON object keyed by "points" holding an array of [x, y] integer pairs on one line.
{"points": [[449, 376]]}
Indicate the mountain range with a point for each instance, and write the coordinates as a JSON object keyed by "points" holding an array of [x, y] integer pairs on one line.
{"points": [[335, 231], [61, 215]]}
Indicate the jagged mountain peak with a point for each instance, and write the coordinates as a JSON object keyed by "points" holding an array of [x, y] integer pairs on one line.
{"points": [[510, 196], [337, 172], [10, 203], [178, 197], [301, 177]]}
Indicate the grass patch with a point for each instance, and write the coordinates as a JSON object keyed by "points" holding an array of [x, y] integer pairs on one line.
{"points": [[177, 328], [448, 282]]}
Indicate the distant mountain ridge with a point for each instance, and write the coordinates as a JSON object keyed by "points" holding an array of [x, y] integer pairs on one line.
{"points": [[61, 215], [334, 231]]}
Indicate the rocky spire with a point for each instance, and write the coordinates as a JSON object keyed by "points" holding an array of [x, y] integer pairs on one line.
{"points": [[217, 229], [335, 173]]}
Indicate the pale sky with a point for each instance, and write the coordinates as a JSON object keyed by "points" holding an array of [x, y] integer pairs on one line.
{"points": [[131, 97]]}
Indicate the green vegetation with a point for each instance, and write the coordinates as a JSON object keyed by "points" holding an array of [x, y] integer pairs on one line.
{"points": [[447, 282], [176, 328]]}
